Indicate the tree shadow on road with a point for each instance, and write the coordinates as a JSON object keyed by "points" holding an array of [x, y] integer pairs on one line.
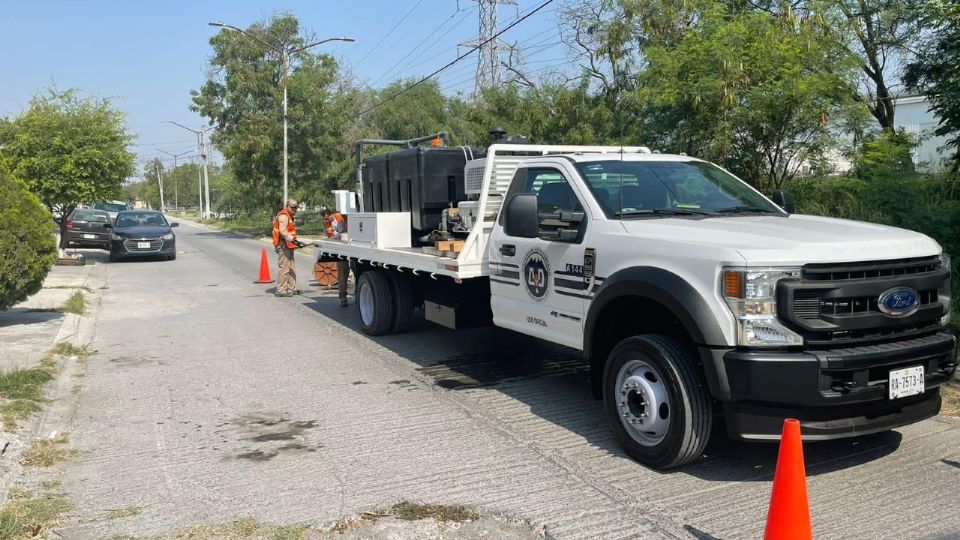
{"points": [[553, 382]]}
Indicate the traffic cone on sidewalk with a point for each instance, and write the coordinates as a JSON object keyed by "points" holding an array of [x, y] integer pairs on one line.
{"points": [[264, 268], [789, 514]]}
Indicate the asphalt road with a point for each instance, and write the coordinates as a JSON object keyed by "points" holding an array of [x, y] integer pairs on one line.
{"points": [[212, 400]]}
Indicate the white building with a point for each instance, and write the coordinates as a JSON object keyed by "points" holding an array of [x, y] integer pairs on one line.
{"points": [[914, 116]]}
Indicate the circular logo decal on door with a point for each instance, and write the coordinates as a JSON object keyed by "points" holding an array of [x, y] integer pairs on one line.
{"points": [[536, 273]]}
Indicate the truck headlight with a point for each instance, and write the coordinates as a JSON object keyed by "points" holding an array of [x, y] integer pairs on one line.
{"points": [[945, 292], [751, 295]]}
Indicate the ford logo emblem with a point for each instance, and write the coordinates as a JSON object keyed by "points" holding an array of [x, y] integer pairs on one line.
{"points": [[899, 302]]}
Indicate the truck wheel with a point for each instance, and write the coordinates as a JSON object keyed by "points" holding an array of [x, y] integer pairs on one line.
{"points": [[403, 317], [657, 401], [375, 302]]}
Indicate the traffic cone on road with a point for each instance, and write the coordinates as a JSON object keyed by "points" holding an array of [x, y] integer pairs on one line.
{"points": [[789, 514], [264, 268]]}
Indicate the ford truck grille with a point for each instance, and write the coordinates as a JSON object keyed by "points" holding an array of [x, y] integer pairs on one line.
{"points": [[836, 304]]}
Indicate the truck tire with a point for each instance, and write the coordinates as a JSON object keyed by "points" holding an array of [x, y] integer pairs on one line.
{"points": [[657, 400], [375, 302], [403, 316]]}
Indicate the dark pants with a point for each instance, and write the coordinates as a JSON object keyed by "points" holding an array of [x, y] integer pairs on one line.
{"points": [[343, 274]]}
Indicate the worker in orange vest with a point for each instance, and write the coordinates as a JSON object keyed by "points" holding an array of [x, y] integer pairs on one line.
{"points": [[285, 242], [336, 224]]}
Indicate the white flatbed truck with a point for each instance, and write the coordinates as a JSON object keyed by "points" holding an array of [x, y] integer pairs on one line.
{"points": [[693, 296]]}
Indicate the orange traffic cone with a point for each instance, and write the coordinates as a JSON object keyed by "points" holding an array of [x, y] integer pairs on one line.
{"points": [[789, 514], [264, 268]]}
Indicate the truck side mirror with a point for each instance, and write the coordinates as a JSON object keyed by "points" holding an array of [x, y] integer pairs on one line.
{"points": [[784, 199], [522, 219]]}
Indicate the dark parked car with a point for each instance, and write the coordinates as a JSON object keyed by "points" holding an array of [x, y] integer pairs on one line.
{"points": [[88, 228], [139, 233]]}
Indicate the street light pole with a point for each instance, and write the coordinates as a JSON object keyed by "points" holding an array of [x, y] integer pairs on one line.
{"points": [[201, 146], [286, 69], [176, 197], [285, 54]]}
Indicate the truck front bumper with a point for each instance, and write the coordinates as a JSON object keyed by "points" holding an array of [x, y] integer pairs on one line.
{"points": [[834, 393]]}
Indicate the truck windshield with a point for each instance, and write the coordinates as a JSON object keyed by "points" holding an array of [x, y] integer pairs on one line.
{"points": [[670, 188]]}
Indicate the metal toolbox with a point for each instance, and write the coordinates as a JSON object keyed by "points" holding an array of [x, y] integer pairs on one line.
{"points": [[380, 229]]}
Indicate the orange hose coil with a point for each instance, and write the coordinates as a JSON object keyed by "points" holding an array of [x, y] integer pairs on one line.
{"points": [[325, 273]]}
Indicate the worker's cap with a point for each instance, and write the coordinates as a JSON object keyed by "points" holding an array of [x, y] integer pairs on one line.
{"points": [[292, 203]]}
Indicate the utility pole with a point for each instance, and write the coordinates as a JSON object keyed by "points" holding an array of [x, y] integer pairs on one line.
{"points": [[201, 146], [200, 187], [285, 54], [206, 177], [159, 170], [176, 197]]}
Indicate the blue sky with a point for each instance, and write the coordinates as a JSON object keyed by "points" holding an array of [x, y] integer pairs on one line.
{"points": [[147, 56]]}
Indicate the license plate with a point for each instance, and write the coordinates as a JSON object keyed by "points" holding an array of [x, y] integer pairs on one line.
{"points": [[906, 382], [143, 245], [89, 236]]}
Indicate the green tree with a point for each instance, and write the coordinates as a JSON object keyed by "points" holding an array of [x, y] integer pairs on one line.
{"points": [[936, 70], [752, 91], [150, 191], [69, 150], [27, 247], [243, 98], [880, 34]]}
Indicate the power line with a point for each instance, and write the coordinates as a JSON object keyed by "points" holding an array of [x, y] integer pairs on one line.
{"points": [[454, 61], [385, 36], [182, 141], [410, 61]]}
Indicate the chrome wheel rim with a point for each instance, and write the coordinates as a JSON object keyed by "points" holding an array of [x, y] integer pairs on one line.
{"points": [[643, 402], [366, 304]]}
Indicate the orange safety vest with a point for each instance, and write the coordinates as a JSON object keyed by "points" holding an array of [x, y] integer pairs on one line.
{"points": [[328, 223], [291, 229]]}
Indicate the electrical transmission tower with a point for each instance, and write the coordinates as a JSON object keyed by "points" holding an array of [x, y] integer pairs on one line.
{"points": [[488, 64]]}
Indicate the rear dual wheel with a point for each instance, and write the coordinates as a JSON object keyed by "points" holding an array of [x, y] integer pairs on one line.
{"points": [[385, 302], [375, 303]]}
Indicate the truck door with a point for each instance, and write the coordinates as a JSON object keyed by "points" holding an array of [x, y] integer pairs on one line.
{"points": [[534, 283]]}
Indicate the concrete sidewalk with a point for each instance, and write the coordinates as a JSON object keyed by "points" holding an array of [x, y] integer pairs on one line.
{"points": [[30, 328]]}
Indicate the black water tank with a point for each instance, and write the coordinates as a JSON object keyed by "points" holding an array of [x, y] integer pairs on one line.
{"points": [[421, 180]]}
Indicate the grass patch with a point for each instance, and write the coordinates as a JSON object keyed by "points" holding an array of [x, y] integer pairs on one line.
{"points": [[21, 391], [12, 412], [246, 528], [25, 516], [76, 304], [51, 484], [48, 452], [120, 513], [951, 398], [24, 383], [413, 511], [65, 348]]}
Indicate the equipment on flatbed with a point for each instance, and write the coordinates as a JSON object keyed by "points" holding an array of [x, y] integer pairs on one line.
{"points": [[422, 181]]}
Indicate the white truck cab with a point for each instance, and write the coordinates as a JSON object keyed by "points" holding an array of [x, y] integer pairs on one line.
{"points": [[694, 297]]}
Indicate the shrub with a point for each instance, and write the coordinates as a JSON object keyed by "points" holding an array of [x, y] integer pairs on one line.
{"points": [[27, 245]]}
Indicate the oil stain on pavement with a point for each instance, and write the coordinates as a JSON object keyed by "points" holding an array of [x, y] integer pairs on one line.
{"points": [[272, 435]]}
